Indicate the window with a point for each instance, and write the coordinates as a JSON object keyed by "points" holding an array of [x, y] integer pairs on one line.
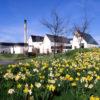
{"points": [[13, 52], [82, 45], [52, 51], [68, 47], [38, 50], [58, 51]]}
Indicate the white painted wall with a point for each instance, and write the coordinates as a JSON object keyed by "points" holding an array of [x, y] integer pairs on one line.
{"points": [[18, 49], [33, 45], [92, 46], [30, 44], [13, 49], [46, 46], [76, 42]]}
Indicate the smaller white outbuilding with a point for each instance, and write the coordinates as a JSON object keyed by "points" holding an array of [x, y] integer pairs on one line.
{"points": [[13, 48], [5, 47]]}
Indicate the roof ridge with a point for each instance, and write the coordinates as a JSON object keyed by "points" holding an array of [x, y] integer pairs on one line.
{"points": [[37, 35]]}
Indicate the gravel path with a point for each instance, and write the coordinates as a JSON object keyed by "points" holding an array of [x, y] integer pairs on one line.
{"points": [[6, 62]]}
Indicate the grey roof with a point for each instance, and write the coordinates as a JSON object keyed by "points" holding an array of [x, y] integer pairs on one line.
{"points": [[12, 44], [88, 38], [37, 38], [59, 39], [6, 44], [20, 44]]}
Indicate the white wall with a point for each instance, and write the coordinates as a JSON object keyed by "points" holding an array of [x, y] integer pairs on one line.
{"points": [[30, 44], [33, 45], [18, 49], [92, 46], [46, 46], [76, 43]]}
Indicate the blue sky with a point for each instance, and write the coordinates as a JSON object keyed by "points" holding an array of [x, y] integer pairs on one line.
{"points": [[13, 12]]}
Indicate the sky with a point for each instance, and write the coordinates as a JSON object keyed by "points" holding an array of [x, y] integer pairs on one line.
{"points": [[13, 13]]}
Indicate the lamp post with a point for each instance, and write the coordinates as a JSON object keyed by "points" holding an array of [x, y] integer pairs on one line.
{"points": [[25, 31]]}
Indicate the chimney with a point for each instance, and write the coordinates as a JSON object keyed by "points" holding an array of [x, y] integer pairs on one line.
{"points": [[25, 31]]}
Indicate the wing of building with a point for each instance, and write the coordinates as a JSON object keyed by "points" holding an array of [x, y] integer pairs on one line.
{"points": [[83, 40], [35, 42], [53, 43], [13, 48]]}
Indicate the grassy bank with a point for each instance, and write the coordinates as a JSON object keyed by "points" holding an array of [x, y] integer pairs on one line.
{"points": [[12, 56], [74, 75]]}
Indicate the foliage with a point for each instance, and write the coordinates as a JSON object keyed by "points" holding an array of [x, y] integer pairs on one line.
{"points": [[44, 78], [12, 56]]}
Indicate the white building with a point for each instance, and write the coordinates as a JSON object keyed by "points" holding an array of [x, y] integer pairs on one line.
{"points": [[35, 42], [13, 48], [52, 42], [19, 48], [5, 47], [48, 44], [83, 40]]}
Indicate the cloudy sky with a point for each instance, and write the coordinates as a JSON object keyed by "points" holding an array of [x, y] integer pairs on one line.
{"points": [[13, 12]]}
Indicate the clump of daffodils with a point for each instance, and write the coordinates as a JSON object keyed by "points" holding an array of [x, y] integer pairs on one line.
{"points": [[51, 87], [80, 74], [94, 98]]}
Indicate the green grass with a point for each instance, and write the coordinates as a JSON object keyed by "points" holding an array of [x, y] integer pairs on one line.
{"points": [[12, 56], [68, 54]]}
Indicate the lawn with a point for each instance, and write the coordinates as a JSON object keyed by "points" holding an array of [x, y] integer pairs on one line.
{"points": [[12, 56], [74, 75]]}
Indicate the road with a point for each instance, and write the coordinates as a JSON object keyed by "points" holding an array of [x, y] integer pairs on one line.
{"points": [[6, 62]]}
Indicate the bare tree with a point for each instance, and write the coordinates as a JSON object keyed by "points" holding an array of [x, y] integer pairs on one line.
{"points": [[56, 26], [83, 26]]}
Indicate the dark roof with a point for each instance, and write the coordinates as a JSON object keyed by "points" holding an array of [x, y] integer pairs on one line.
{"points": [[37, 38], [69, 39], [12, 44], [88, 38], [20, 44], [6, 43], [59, 39]]}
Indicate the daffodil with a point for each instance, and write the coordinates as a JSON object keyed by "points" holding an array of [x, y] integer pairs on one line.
{"points": [[37, 84], [11, 91], [73, 84], [51, 87], [31, 86], [17, 77], [25, 90], [19, 85]]}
